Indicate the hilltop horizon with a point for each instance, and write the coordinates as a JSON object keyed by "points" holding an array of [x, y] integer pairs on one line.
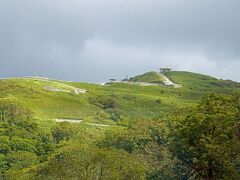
{"points": [[119, 77]]}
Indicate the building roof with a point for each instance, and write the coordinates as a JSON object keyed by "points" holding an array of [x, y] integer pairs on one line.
{"points": [[165, 69]]}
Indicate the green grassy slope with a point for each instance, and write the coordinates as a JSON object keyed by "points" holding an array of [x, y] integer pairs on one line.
{"points": [[149, 77], [44, 103], [201, 83], [130, 101]]}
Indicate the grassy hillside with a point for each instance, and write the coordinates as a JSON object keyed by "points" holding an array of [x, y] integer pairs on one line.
{"points": [[124, 100], [130, 100], [149, 77], [118, 120], [201, 83]]}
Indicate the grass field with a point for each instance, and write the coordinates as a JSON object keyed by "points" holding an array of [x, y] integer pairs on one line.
{"points": [[149, 77], [130, 101]]}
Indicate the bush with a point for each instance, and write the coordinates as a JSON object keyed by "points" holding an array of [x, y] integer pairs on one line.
{"points": [[158, 101], [21, 144], [63, 131], [104, 102]]}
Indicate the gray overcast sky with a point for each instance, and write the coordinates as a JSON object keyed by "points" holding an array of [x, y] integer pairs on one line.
{"points": [[93, 40]]}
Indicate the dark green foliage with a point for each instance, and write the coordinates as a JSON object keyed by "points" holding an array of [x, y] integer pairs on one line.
{"points": [[109, 104], [162, 92], [12, 114], [21, 159], [86, 162], [205, 137], [64, 131], [133, 138], [158, 101], [21, 145], [105, 102], [148, 140]]}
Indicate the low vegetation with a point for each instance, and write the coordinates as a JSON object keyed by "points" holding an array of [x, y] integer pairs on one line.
{"points": [[154, 132]]}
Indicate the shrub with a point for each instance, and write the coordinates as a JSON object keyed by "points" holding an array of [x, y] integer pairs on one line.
{"points": [[158, 101], [105, 102]]}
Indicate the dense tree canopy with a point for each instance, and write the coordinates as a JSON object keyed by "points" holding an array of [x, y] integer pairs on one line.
{"points": [[206, 137], [89, 162], [22, 143]]}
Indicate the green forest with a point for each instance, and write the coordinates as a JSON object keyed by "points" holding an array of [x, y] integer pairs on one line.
{"points": [[123, 131]]}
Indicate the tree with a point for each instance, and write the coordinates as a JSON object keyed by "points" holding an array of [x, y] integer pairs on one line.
{"points": [[147, 139], [21, 144], [63, 131], [89, 162], [205, 137]]}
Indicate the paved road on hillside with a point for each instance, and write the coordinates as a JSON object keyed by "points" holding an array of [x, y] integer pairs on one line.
{"points": [[166, 81], [80, 121], [77, 90]]}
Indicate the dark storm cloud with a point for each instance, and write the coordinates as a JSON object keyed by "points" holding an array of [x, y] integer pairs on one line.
{"points": [[94, 40]]}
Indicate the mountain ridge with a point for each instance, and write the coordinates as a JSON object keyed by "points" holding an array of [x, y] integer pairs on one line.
{"points": [[129, 99]]}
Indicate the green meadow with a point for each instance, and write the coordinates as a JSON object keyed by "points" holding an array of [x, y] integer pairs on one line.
{"points": [[129, 100]]}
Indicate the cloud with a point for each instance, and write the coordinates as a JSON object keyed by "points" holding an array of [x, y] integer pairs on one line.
{"points": [[96, 40]]}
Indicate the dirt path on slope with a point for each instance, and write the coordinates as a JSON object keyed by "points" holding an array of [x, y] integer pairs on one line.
{"points": [[80, 121]]}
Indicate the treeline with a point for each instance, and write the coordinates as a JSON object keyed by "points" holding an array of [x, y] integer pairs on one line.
{"points": [[206, 138], [201, 142], [22, 143]]}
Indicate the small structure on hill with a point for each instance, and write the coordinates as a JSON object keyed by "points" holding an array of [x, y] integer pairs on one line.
{"points": [[112, 80], [165, 70]]}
